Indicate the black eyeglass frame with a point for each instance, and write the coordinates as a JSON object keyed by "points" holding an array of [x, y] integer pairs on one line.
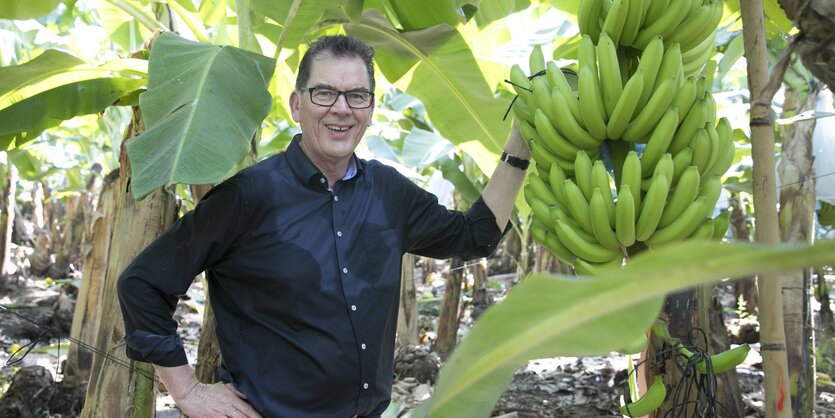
{"points": [[310, 91]]}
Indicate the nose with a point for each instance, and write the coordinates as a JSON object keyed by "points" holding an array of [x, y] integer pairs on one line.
{"points": [[341, 105]]}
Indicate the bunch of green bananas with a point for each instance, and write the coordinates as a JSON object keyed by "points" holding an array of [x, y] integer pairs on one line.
{"points": [[635, 23], [627, 154], [826, 214]]}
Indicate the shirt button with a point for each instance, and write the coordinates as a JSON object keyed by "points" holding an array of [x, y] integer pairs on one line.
{"points": [[353, 307], [322, 180], [336, 198], [365, 385], [362, 346], [338, 233], [345, 270]]}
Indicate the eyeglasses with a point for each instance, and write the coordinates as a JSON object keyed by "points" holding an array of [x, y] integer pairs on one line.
{"points": [[356, 99]]}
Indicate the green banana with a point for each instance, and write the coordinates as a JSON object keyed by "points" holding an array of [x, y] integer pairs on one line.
{"points": [[727, 148], [557, 80], [655, 9], [550, 241], [587, 54], [558, 213], [582, 173], [681, 227], [701, 150], [704, 232], [659, 141], [527, 131], [600, 179], [625, 107], [556, 177], [591, 102], [650, 63], [586, 250], [685, 97], [577, 205], [693, 120], [670, 66], [664, 166], [521, 84], [694, 59], [649, 402], [715, 146], [542, 96], [692, 25], [522, 111], [634, 20], [585, 268], [611, 84], [547, 159], [551, 139], [720, 362], [649, 116], [652, 207], [615, 19], [682, 196], [541, 190], [680, 163], [569, 127], [625, 216], [601, 227], [536, 60], [540, 210], [720, 225], [631, 176], [588, 18], [711, 190], [665, 24], [717, 10]]}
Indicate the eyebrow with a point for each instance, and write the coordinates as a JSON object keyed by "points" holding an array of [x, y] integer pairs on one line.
{"points": [[328, 86]]}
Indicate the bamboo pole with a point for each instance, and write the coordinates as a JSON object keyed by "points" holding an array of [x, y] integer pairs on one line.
{"points": [[772, 335]]}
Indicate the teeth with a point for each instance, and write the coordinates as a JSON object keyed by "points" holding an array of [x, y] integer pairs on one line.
{"points": [[338, 128]]}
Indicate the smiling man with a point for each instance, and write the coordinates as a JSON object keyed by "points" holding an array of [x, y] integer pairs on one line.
{"points": [[302, 253]]}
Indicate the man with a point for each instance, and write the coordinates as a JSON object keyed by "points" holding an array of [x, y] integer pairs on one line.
{"points": [[303, 255]]}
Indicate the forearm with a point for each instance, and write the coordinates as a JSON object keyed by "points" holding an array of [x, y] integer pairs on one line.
{"points": [[503, 187], [178, 380]]}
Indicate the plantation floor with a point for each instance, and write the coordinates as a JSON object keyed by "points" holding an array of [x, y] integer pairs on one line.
{"points": [[565, 387]]}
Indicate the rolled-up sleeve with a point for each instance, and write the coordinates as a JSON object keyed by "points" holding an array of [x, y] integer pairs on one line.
{"points": [[434, 231], [151, 285]]}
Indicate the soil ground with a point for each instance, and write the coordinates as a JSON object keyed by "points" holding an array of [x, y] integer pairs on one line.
{"points": [[566, 387]]}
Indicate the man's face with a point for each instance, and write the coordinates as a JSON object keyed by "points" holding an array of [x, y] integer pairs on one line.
{"points": [[330, 134]]}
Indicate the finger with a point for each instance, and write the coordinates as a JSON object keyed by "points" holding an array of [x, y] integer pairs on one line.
{"points": [[246, 410], [235, 390]]}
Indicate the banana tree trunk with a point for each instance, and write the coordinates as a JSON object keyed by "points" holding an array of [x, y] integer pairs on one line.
{"points": [[797, 225], [7, 218], [744, 288], [449, 318], [116, 390], [87, 317], [407, 318], [772, 335]]}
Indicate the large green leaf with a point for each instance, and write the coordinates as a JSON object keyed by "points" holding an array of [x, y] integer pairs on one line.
{"points": [[56, 86], [295, 17], [29, 9], [422, 148], [415, 15], [491, 11], [563, 316], [202, 107], [26, 119], [445, 77]]}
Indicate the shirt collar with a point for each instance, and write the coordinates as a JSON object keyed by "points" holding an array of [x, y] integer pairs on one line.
{"points": [[307, 173]]}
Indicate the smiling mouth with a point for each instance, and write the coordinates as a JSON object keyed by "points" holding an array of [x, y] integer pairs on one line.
{"points": [[338, 128]]}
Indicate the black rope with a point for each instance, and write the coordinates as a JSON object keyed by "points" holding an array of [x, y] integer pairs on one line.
{"points": [[18, 355]]}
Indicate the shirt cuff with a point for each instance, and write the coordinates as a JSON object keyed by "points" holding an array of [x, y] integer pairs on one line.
{"points": [[163, 350], [487, 233]]}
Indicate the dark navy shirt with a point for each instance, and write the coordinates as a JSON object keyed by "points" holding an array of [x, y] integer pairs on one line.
{"points": [[304, 281]]}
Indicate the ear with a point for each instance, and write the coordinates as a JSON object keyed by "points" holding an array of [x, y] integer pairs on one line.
{"points": [[295, 102]]}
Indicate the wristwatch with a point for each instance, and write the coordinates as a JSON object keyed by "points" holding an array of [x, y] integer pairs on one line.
{"points": [[514, 161]]}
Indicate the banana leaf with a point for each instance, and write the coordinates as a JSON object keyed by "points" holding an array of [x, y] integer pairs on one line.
{"points": [[416, 15], [444, 76], [202, 108], [295, 18], [549, 316], [30, 9]]}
